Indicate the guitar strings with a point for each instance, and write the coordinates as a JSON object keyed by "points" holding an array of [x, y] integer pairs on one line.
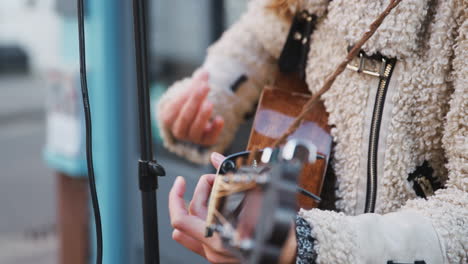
{"points": [[227, 186]]}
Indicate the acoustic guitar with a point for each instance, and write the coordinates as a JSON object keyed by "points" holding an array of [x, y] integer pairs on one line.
{"points": [[252, 202], [265, 187]]}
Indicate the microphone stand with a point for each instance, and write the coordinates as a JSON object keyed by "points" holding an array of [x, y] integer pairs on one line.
{"points": [[148, 170]]}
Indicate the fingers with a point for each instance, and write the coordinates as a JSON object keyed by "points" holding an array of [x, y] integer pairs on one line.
{"points": [[196, 247], [177, 208], [216, 258], [191, 228], [188, 242], [190, 109], [194, 226], [212, 133], [216, 159], [288, 253], [170, 110], [198, 205], [191, 225], [201, 120], [188, 115]]}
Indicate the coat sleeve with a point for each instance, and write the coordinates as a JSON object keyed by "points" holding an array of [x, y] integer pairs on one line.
{"points": [[433, 230], [238, 67]]}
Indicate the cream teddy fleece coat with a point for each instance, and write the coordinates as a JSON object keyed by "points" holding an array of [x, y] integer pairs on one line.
{"points": [[424, 121]]}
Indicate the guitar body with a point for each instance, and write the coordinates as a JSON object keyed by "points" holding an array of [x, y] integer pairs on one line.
{"points": [[254, 187], [279, 105]]}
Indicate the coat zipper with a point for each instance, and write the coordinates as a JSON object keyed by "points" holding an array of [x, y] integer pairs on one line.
{"points": [[371, 192]]}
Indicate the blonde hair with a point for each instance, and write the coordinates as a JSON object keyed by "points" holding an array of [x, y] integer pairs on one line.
{"points": [[282, 7]]}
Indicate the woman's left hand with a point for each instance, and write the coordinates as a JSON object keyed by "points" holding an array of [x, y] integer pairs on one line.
{"points": [[189, 224]]}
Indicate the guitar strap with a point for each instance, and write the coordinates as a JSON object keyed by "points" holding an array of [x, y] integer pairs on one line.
{"points": [[293, 58], [292, 64]]}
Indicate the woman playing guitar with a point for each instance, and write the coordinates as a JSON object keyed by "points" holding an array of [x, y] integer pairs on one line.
{"points": [[399, 124]]}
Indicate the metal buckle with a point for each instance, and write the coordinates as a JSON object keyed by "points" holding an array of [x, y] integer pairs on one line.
{"points": [[361, 67], [306, 16], [299, 36]]}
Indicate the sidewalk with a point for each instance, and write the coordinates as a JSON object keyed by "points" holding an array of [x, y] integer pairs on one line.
{"points": [[27, 191], [22, 250]]}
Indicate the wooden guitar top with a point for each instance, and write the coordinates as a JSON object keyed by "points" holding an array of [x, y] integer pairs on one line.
{"points": [[276, 110]]}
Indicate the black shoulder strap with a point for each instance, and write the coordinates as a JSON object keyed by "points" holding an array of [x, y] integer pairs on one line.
{"points": [[293, 57]]}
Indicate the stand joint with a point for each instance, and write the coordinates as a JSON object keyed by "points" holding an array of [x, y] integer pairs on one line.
{"points": [[149, 171]]}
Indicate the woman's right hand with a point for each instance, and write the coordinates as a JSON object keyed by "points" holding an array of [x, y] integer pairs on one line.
{"points": [[189, 223], [189, 116]]}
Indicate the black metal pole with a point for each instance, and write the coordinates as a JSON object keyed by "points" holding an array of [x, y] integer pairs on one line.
{"points": [[149, 169], [89, 140], [218, 17]]}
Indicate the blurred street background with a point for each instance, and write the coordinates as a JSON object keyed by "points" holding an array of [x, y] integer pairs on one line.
{"points": [[39, 82], [27, 192]]}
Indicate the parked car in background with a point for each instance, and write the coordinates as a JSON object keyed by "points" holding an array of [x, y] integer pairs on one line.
{"points": [[13, 59]]}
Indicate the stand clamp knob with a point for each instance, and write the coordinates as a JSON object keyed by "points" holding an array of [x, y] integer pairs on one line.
{"points": [[149, 171]]}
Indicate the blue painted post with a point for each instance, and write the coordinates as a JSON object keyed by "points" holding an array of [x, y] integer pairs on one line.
{"points": [[113, 107]]}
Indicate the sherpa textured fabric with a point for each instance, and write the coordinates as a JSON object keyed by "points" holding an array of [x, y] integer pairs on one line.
{"points": [[425, 119]]}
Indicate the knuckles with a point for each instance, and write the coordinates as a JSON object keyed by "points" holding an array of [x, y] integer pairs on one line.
{"points": [[215, 258], [218, 247], [177, 223], [178, 133], [193, 135], [166, 120], [205, 177], [187, 119], [192, 209]]}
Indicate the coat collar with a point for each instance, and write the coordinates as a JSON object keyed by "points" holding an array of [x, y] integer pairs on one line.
{"points": [[316, 7], [399, 35], [272, 30]]}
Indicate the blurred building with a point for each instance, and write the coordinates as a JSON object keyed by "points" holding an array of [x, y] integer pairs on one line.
{"points": [[181, 30], [34, 26]]}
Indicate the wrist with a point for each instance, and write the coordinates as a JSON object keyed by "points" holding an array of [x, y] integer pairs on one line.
{"points": [[305, 252], [288, 253]]}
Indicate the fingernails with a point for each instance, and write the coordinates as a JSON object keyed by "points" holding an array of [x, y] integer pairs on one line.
{"points": [[178, 180], [217, 158]]}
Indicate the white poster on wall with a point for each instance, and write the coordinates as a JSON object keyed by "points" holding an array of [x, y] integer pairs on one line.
{"points": [[64, 115]]}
